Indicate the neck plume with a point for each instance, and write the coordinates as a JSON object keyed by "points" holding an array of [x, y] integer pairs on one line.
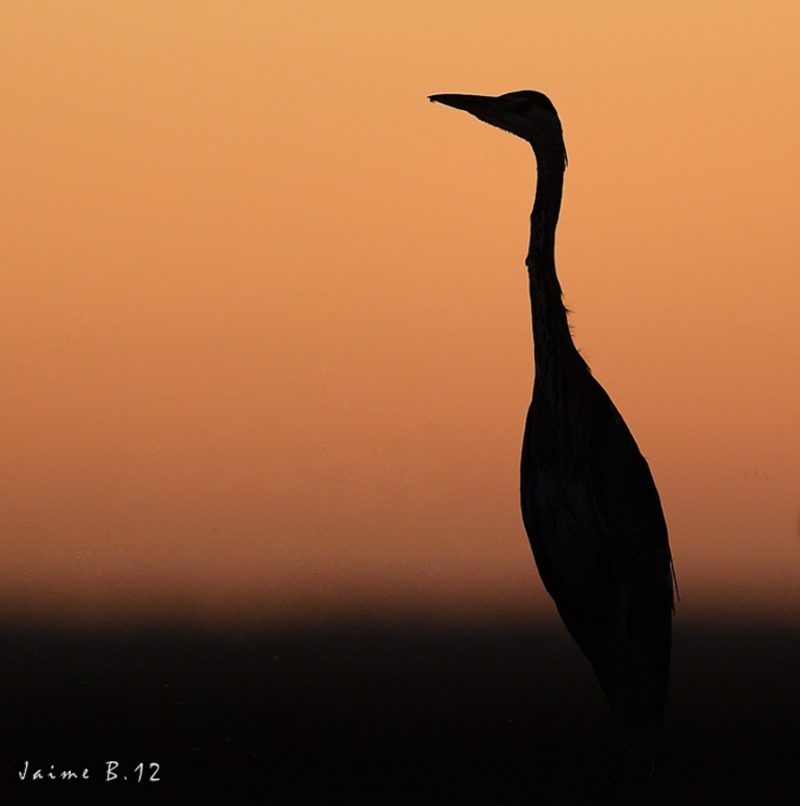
{"points": [[551, 336]]}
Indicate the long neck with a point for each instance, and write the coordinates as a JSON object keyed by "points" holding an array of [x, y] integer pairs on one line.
{"points": [[551, 337]]}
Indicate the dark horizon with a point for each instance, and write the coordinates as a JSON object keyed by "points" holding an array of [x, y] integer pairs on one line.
{"points": [[370, 712]]}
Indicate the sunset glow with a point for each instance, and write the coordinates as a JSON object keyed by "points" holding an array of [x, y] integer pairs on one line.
{"points": [[265, 330]]}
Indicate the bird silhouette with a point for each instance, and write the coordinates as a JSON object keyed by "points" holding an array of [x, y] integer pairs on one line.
{"points": [[589, 503]]}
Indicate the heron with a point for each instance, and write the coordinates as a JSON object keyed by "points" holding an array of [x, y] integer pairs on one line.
{"points": [[589, 503]]}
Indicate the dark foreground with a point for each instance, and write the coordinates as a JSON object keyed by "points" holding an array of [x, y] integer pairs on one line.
{"points": [[374, 714]]}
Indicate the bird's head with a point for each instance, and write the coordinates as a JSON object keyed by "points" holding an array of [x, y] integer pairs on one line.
{"points": [[527, 113]]}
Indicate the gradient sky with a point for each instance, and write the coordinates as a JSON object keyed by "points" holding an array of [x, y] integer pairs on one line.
{"points": [[265, 334]]}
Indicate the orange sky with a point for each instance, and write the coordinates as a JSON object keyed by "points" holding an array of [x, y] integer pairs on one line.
{"points": [[265, 334]]}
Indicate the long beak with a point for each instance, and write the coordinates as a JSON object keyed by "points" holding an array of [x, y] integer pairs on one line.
{"points": [[484, 107]]}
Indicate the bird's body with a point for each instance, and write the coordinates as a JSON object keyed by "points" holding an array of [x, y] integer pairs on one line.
{"points": [[589, 503], [598, 535]]}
